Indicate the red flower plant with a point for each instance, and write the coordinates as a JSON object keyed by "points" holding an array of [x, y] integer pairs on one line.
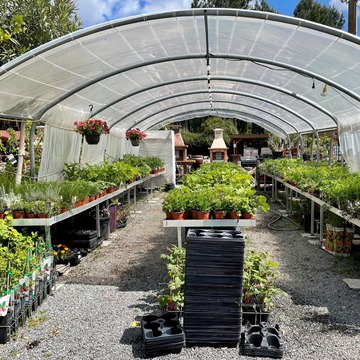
{"points": [[91, 127], [135, 134]]}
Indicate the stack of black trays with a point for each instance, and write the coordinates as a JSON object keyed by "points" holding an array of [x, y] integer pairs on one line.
{"points": [[213, 287], [85, 239], [162, 334]]}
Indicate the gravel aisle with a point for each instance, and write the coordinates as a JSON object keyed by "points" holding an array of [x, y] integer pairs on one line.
{"points": [[90, 316]]}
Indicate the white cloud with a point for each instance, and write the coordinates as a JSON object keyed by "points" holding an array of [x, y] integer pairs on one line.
{"points": [[94, 12]]}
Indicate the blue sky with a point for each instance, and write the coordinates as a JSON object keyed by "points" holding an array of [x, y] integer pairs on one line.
{"points": [[97, 11]]}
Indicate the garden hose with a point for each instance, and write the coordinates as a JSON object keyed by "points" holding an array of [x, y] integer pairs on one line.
{"points": [[298, 227]]}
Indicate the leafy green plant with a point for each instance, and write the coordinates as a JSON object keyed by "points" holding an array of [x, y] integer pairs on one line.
{"points": [[172, 296], [260, 275]]}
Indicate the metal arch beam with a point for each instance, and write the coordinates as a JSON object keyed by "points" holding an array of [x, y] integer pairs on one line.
{"points": [[220, 92], [222, 78], [227, 110], [97, 79], [221, 102]]}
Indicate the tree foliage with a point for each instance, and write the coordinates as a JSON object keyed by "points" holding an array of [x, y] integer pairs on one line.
{"points": [[199, 143], [316, 12], [236, 4], [41, 22]]}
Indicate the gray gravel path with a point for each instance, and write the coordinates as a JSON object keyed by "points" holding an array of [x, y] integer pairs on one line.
{"points": [[91, 315]]}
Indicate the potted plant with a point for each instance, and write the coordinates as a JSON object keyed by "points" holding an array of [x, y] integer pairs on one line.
{"points": [[172, 295], [91, 129], [175, 203], [260, 275], [135, 136]]}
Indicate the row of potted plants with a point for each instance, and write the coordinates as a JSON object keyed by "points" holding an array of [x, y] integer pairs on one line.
{"points": [[335, 184], [223, 189], [25, 263], [82, 184]]}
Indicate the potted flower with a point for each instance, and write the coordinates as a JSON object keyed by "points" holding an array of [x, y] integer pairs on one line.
{"points": [[135, 136], [92, 129]]}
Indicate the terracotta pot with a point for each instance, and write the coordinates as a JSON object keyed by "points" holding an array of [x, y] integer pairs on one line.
{"points": [[177, 215], [110, 190], [220, 214], [247, 215], [91, 198], [203, 215], [1, 215], [168, 215], [233, 215], [19, 214], [42, 216], [30, 215], [193, 214]]}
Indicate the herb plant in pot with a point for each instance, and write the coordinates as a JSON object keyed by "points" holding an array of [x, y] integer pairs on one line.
{"points": [[175, 203], [172, 295], [260, 275]]}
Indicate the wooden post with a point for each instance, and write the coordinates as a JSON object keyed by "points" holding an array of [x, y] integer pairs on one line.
{"points": [[352, 16]]}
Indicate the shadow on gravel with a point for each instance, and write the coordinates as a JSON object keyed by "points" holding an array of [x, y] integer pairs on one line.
{"points": [[310, 275], [133, 337]]}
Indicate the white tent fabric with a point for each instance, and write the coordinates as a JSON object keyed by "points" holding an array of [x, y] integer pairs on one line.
{"points": [[154, 69]]}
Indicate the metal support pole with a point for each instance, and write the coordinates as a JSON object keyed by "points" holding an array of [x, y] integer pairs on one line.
{"points": [[312, 217], [97, 210], [321, 227], [272, 188], [21, 153], [331, 150], [179, 237], [276, 189]]}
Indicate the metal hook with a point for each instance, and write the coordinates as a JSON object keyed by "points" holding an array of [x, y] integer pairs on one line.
{"points": [[91, 106]]}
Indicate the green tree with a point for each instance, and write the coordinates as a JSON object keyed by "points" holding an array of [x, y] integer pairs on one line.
{"points": [[236, 4], [42, 21], [263, 6], [199, 142], [316, 12]]}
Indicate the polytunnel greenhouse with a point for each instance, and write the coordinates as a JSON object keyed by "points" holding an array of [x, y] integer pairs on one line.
{"points": [[294, 78]]}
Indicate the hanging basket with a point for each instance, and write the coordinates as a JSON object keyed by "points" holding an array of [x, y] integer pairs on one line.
{"points": [[135, 142], [92, 139]]}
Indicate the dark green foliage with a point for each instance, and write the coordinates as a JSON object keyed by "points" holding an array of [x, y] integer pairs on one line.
{"points": [[43, 20], [199, 142], [315, 11]]}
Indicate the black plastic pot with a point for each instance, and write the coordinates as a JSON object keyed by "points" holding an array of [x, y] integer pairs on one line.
{"points": [[5, 327]]}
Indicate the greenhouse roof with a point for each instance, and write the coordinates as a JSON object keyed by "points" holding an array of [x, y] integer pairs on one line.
{"points": [[151, 70]]}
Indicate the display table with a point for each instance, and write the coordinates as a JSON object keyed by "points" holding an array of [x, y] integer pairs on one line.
{"points": [[214, 223], [290, 189], [149, 182]]}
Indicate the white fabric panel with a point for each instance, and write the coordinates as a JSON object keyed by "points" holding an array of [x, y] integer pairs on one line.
{"points": [[161, 144], [60, 147], [349, 138]]}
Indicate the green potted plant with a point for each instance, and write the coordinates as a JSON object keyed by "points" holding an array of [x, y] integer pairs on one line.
{"points": [[175, 203], [172, 295], [259, 290]]}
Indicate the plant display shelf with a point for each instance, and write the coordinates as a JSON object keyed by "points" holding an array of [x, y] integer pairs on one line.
{"points": [[289, 189], [148, 182], [213, 223]]}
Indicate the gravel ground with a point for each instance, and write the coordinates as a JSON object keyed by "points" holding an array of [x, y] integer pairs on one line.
{"points": [[90, 316]]}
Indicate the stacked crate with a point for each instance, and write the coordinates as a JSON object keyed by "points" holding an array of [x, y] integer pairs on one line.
{"points": [[213, 287]]}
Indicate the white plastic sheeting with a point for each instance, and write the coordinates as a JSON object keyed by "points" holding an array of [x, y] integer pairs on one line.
{"points": [[62, 147], [161, 68]]}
